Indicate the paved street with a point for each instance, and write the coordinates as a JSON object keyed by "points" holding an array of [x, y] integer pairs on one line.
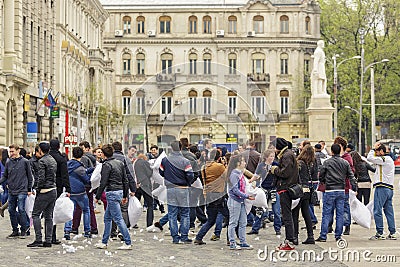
{"points": [[151, 249]]}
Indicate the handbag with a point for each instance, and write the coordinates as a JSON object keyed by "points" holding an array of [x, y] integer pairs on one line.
{"points": [[313, 194], [295, 191]]}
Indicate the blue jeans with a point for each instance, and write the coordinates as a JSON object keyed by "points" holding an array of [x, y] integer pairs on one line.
{"points": [[83, 202], [312, 213], [212, 214], [333, 200], [237, 216], [218, 224], [113, 213], [15, 201], [383, 199], [346, 212], [178, 203], [276, 210]]}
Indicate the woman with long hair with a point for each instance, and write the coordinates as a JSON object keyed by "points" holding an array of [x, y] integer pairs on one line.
{"points": [[237, 195], [307, 169], [363, 180]]}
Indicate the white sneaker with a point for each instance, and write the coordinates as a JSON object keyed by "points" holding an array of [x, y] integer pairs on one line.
{"points": [[101, 245], [125, 247]]}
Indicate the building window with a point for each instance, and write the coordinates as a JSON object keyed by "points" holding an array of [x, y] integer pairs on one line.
{"points": [[126, 59], [308, 25], [126, 102], [192, 102], [207, 102], [166, 63], [232, 98], [258, 102], [207, 63], [127, 24], [232, 24], [140, 63], [284, 94], [307, 60], [140, 104], [166, 103], [258, 60], [192, 63], [258, 24], [140, 24], [165, 24], [284, 22], [192, 24], [284, 63], [206, 24], [232, 58]]}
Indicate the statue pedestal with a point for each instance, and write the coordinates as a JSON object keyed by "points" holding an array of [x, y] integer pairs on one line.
{"points": [[320, 114]]}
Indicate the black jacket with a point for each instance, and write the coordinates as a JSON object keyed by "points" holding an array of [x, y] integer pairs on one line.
{"points": [[18, 176], [287, 172], [62, 179], [118, 155], [193, 161], [361, 173], [88, 160], [334, 172], [47, 173], [143, 174], [34, 162], [307, 173], [113, 177]]}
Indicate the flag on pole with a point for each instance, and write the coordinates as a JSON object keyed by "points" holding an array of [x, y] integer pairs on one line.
{"points": [[50, 102], [44, 101]]}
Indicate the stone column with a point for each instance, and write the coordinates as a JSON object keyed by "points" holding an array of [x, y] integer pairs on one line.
{"points": [[9, 20], [320, 114]]}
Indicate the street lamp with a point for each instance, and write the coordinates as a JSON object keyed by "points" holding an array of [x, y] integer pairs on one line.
{"points": [[96, 106], [335, 83], [353, 109], [373, 122]]}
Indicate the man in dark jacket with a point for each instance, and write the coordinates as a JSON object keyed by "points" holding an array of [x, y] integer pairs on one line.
{"points": [[287, 174], [88, 160], [178, 174], [333, 173], [62, 180], [143, 173], [46, 195], [18, 176], [79, 178], [115, 182]]}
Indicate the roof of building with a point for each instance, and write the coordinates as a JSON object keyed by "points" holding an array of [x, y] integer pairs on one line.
{"points": [[190, 3]]}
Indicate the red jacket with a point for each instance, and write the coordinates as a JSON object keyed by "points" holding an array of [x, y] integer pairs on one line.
{"points": [[346, 156]]}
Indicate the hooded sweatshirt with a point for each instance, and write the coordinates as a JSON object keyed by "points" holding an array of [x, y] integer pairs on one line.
{"points": [[78, 176]]}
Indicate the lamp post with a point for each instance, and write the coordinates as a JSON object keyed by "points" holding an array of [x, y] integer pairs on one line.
{"points": [[373, 120], [335, 83], [79, 118], [109, 126], [362, 32], [96, 106]]}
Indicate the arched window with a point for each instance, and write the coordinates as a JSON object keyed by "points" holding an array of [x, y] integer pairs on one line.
{"points": [[140, 24], [192, 24], [192, 101], [232, 58], [258, 102], [192, 63], [284, 63], [258, 24], [284, 95], [127, 24], [232, 102], [140, 102], [206, 24], [232, 24], [207, 63], [126, 102], [207, 102], [284, 23], [166, 63], [126, 61], [307, 60], [140, 63], [166, 103], [258, 61], [165, 24], [308, 25]]}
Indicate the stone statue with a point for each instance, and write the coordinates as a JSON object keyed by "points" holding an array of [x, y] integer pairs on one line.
{"points": [[318, 75]]}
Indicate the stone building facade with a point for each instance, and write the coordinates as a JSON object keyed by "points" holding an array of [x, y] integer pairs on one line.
{"points": [[229, 70]]}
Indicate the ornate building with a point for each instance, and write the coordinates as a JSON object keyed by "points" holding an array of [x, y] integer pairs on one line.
{"points": [[230, 70], [51, 46]]}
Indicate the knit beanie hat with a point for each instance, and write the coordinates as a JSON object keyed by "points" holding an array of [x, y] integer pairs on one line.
{"points": [[280, 143]]}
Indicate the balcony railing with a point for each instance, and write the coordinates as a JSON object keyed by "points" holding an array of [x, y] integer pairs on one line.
{"points": [[258, 78]]}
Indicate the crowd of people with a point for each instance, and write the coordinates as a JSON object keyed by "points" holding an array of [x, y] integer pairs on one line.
{"points": [[210, 186]]}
